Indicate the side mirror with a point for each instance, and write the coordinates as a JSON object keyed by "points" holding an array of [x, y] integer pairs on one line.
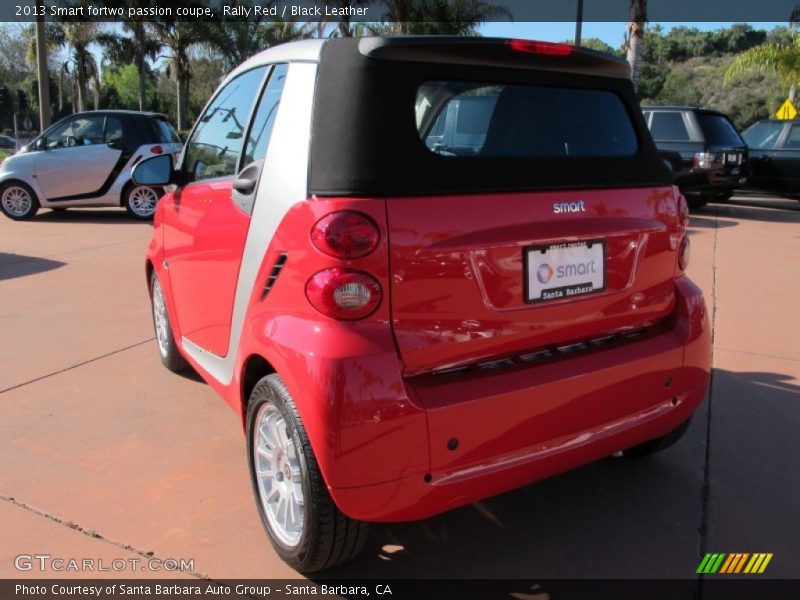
{"points": [[156, 170]]}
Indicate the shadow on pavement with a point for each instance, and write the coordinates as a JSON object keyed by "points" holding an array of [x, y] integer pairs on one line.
{"points": [[700, 221], [609, 519], [82, 215], [754, 468], [19, 265]]}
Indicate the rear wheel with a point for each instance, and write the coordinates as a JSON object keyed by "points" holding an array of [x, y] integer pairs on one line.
{"points": [[695, 201], [302, 522], [723, 196], [167, 348], [18, 201], [140, 201], [658, 444]]}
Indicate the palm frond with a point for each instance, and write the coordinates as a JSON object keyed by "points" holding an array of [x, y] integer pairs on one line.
{"points": [[782, 60]]}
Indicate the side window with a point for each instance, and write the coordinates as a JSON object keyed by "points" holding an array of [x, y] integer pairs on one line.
{"points": [[113, 132], [793, 141], [264, 119], [80, 131], [214, 147], [669, 127]]}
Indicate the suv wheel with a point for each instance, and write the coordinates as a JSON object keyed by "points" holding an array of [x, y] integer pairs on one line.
{"points": [[18, 201], [140, 201], [167, 349], [304, 526], [658, 444]]}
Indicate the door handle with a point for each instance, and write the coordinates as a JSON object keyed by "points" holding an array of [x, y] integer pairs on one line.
{"points": [[244, 185]]}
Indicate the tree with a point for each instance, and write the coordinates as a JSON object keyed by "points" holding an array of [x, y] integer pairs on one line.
{"points": [[236, 41], [134, 45], [634, 38], [780, 59], [42, 74], [79, 35], [178, 37], [6, 107]]}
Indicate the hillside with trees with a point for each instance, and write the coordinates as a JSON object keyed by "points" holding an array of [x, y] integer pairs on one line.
{"points": [[688, 66]]}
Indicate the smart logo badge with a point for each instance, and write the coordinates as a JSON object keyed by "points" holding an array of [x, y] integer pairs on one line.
{"points": [[734, 563], [544, 273]]}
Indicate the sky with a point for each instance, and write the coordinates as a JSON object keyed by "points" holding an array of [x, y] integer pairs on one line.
{"points": [[610, 33]]}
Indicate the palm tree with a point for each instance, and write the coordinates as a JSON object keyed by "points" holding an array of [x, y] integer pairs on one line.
{"points": [[178, 37], [237, 41], [79, 36], [634, 37], [782, 60], [136, 47]]}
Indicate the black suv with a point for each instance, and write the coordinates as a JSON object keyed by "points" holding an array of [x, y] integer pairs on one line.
{"points": [[706, 152]]}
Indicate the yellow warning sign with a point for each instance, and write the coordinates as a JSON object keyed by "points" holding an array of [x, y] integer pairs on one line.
{"points": [[787, 111]]}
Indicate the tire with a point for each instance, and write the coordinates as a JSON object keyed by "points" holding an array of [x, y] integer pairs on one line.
{"points": [[140, 201], [18, 201], [658, 444], [723, 196], [697, 201], [165, 339], [320, 535]]}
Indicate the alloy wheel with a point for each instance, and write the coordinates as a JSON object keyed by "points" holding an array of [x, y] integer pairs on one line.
{"points": [[280, 481], [17, 201]]}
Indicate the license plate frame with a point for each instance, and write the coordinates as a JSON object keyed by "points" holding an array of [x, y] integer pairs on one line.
{"points": [[560, 254]]}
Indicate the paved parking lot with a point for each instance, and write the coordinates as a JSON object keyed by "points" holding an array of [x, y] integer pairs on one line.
{"points": [[105, 454]]}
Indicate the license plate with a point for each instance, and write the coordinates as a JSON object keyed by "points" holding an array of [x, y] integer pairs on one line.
{"points": [[567, 270], [734, 159]]}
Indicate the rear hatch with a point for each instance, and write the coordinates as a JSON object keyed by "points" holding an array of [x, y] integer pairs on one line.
{"points": [[479, 277], [724, 143], [468, 272], [166, 135]]}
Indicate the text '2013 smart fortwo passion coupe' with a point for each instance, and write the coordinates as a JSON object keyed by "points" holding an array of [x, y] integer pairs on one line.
{"points": [[425, 271]]}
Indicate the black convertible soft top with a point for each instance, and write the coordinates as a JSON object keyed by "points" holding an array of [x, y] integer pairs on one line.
{"points": [[365, 139]]}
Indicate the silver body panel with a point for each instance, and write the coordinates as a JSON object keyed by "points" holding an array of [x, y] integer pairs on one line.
{"points": [[283, 183]]}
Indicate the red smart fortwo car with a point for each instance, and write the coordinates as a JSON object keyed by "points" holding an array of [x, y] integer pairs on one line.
{"points": [[425, 271]]}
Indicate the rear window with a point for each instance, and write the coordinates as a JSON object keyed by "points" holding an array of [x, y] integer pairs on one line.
{"points": [[669, 127], [763, 135], [719, 131], [457, 119], [165, 133]]}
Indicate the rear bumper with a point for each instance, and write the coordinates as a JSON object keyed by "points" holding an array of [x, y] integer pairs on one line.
{"points": [[531, 422]]}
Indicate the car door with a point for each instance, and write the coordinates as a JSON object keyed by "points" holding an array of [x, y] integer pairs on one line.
{"points": [[764, 140], [786, 161], [75, 161], [207, 220]]}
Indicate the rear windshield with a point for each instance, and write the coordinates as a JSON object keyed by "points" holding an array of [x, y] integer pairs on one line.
{"points": [[165, 133], [719, 131], [457, 119], [763, 135]]}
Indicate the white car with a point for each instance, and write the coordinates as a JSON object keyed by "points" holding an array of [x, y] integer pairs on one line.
{"points": [[85, 160]]}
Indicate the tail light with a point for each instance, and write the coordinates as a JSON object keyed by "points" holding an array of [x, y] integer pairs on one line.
{"points": [[684, 253], [347, 294], [345, 234], [156, 150], [536, 47], [705, 160], [683, 211]]}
